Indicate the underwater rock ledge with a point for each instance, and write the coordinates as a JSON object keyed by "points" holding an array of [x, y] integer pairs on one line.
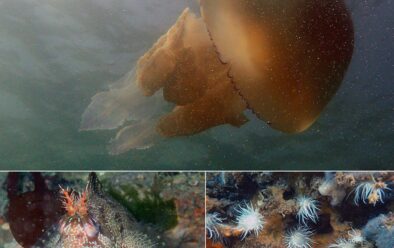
{"points": [[289, 210]]}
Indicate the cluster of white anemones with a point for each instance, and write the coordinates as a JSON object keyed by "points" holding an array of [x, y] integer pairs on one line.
{"points": [[249, 220], [300, 237]]}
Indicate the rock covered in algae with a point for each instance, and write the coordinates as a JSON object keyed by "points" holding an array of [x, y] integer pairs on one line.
{"points": [[172, 202], [381, 230], [95, 220], [169, 207]]}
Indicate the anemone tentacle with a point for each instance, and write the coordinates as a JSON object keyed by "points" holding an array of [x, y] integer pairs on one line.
{"points": [[370, 192], [299, 237], [212, 221], [249, 220], [308, 209]]}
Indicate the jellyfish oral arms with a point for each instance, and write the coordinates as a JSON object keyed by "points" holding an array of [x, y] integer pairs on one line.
{"points": [[185, 65], [283, 60], [181, 69], [287, 58]]}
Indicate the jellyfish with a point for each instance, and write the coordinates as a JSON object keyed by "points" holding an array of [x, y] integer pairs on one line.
{"points": [[282, 60]]}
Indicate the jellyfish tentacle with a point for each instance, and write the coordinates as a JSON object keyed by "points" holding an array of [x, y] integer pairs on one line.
{"points": [[207, 112]]}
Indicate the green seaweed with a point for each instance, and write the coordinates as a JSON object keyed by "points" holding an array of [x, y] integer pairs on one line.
{"points": [[149, 209]]}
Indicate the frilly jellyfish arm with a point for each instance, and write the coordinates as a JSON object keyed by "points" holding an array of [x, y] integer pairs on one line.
{"points": [[108, 109], [181, 68], [112, 109], [157, 65], [221, 105], [197, 83], [139, 135]]}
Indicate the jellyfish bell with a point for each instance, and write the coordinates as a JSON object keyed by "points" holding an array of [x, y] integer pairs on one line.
{"points": [[286, 58]]}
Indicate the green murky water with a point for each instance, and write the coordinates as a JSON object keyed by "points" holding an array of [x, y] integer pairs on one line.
{"points": [[55, 55]]}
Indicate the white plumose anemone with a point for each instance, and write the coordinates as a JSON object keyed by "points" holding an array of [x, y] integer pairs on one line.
{"points": [[307, 209], [362, 192], [212, 221], [355, 236], [370, 192], [342, 243], [299, 237], [355, 239], [249, 220]]}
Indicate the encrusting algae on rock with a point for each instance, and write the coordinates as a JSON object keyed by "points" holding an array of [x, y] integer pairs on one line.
{"points": [[125, 210]]}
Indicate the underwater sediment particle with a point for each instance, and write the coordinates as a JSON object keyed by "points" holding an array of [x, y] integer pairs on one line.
{"points": [[307, 209], [249, 220], [299, 237]]}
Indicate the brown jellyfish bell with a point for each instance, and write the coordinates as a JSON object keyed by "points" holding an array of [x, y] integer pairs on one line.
{"points": [[287, 58], [283, 60]]}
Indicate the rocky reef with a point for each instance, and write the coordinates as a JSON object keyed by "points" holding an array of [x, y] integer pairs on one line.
{"points": [[104, 209], [300, 210]]}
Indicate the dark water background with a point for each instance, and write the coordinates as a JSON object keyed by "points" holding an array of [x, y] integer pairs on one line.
{"points": [[56, 54]]}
